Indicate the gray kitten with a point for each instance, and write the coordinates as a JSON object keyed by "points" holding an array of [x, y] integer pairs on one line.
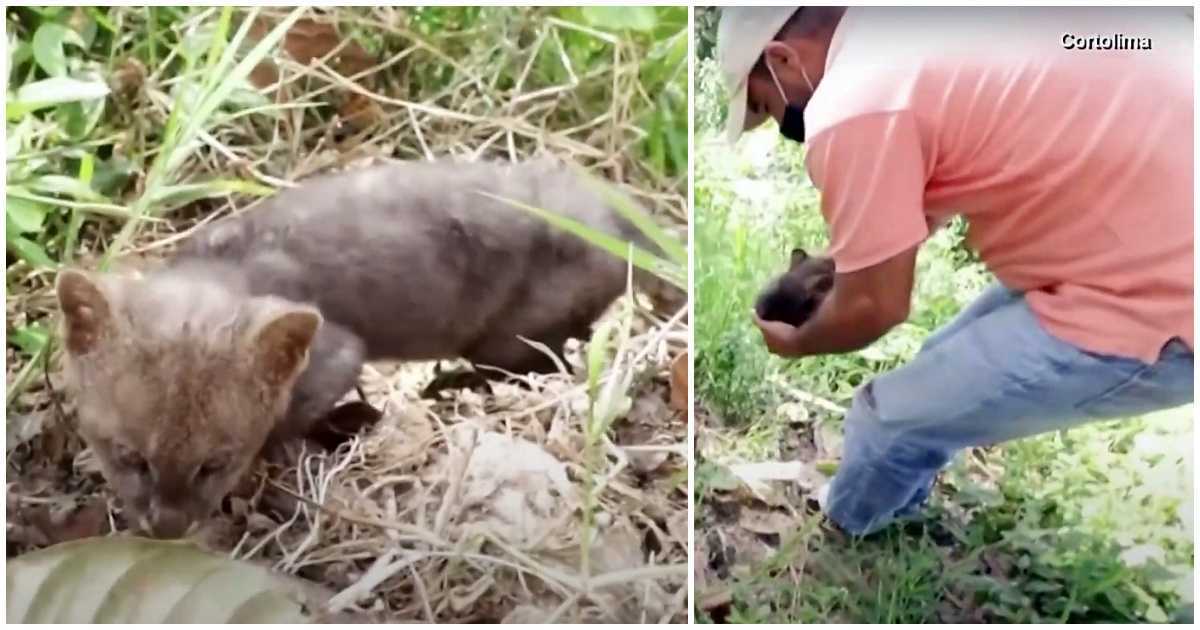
{"points": [[262, 322]]}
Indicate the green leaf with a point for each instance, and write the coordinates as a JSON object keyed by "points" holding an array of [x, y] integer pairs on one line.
{"points": [[48, 14], [137, 580], [718, 477], [223, 81], [112, 175], [48, 43], [217, 45], [30, 339], [101, 19], [87, 27], [105, 209], [87, 168], [171, 197], [1154, 611], [642, 221], [25, 215], [79, 119], [196, 42], [827, 467], [620, 18], [613, 245], [597, 352], [19, 51], [63, 185], [30, 252], [51, 92], [15, 143], [71, 236]]}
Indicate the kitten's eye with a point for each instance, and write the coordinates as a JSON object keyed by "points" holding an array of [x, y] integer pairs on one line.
{"points": [[211, 467], [131, 459]]}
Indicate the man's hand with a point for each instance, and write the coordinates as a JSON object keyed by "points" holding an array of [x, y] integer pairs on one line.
{"points": [[781, 338]]}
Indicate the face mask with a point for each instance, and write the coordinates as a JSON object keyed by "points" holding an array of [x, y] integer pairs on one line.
{"points": [[792, 126]]}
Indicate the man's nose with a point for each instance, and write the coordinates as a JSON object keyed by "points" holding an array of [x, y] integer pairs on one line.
{"points": [[169, 522]]}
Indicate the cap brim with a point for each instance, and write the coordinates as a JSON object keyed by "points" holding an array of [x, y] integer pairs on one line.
{"points": [[735, 119], [739, 121]]}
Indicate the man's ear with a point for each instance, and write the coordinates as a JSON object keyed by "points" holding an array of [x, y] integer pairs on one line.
{"points": [[783, 58], [798, 256], [87, 312], [279, 341]]}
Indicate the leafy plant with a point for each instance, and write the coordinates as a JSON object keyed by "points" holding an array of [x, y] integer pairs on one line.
{"points": [[54, 111], [136, 580]]}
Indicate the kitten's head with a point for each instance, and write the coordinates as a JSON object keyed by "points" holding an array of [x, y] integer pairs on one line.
{"points": [[178, 383], [795, 295]]}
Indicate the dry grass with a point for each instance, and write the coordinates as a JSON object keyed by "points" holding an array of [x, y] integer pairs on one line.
{"points": [[469, 508]]}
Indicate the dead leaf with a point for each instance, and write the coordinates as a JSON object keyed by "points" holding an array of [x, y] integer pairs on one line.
{"points": [[511, 487], [128, 78], [829, 440], [649, 415], [677, 527], [21, 428], [617, 548], [679, 383], [264, 75], [526, 613], [360, 112], [259, 523], [646, 462], [716, 598], [766, 521], [410, 449], [794, 413], [645, 425], [763, 479], [309, 39], [65, 522], [736, 552]]}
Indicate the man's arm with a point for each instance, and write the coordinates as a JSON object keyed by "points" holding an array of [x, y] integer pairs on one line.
{"points": [[862, 307]]}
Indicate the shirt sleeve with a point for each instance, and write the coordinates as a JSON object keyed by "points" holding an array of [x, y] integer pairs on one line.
{"points": [[870, 170]]}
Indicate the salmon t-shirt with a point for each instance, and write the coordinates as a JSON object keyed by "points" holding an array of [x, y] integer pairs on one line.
{"points": [[1069, 157]]}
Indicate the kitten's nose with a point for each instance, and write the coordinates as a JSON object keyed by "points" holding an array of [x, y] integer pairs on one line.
{"points": [[168, 522]]}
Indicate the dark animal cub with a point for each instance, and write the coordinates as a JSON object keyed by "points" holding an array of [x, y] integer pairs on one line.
{"points": [[794, 296], [262, 322]]}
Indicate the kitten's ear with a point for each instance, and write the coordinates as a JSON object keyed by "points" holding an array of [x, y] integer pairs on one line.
{"points": [[798, 256], [280, 342], [87, 313]]}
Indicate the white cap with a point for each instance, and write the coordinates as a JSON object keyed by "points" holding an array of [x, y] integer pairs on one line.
{"points": [[742, 35]]}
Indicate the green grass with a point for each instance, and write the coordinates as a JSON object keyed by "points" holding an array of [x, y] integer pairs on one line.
{"points": [[1058, 534], [64, 173]]}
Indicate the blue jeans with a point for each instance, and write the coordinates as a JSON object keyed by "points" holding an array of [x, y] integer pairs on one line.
{"points": [[992, 374]]}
